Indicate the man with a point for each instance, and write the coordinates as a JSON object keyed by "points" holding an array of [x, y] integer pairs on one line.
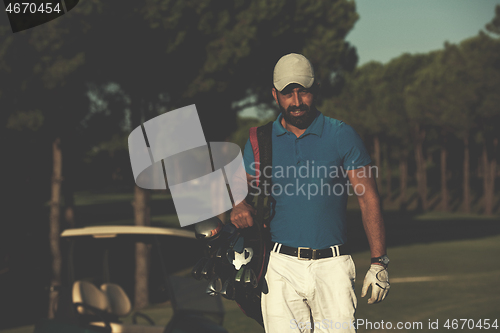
{"points": [[310, 275]]}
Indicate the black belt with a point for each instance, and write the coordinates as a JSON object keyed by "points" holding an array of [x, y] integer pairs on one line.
{"points": [[306, 253]]}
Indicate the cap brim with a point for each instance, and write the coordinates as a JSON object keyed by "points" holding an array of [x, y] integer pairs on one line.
{"points": [[305, 81]]}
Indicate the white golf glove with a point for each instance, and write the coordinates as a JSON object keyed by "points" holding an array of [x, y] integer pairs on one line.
{"points": [[378, 278]]}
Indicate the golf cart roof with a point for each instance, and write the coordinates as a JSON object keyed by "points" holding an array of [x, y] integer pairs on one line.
{"points": [[111, 231]]}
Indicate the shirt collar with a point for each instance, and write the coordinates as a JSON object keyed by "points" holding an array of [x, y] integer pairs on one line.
{"points": [[316, 126]]}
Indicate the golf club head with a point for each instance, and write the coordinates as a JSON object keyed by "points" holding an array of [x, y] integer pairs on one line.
{"points": [[220, 253], [196, 271], [209, 229], [250, 277], [228, 290], [214, 286], [239, 277], [209, 269]]}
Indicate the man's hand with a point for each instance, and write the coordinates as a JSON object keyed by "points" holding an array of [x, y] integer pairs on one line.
{"points": [[378, 278], [241, 215]]}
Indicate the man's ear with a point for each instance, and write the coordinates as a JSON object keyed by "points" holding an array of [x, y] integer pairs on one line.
{"points": [[275, 95]]}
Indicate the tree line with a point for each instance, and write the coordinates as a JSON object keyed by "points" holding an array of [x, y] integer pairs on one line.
{"points": [[420, 113]]}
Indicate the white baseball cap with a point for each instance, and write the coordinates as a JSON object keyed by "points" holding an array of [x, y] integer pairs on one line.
{"points": [[293, 68]]}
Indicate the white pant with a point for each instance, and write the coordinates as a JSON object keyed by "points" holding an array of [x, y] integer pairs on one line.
{"points": [[309, 295]]}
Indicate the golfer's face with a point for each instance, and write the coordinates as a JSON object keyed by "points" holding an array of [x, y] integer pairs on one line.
{"points": [[296, 104]]}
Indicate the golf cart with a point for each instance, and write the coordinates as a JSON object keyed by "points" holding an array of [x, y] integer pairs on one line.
{"points": [[94, 296]]}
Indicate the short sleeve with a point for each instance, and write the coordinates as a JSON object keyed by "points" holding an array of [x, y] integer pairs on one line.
{"points": [[352, 149], [249, 159]]}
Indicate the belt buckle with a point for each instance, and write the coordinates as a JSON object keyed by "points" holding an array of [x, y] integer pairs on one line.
{"points": [[313, 255]]}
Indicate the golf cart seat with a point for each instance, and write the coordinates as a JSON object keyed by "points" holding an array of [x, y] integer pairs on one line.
{"points": [[119, 303], [89, 300], [106, 305]]}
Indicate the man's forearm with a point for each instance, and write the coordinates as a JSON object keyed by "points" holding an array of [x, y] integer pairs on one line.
{"points": [[369, 202], [373, 224]]}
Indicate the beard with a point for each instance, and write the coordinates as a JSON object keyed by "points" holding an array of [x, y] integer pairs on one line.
{"points": [[301, 122]]}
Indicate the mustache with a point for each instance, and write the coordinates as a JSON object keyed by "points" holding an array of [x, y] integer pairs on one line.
{"points": [[301, 107]]}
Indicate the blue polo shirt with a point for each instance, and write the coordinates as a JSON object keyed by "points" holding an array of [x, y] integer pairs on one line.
{"points": [[309, 181]]}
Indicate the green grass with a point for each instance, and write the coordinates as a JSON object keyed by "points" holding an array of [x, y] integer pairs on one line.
{"points": [[21, 329], [435, 215], [110, 208], [466, 286], [84, 198]]}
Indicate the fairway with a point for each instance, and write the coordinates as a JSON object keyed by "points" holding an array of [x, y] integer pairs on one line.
{"points": [[445, 280]]}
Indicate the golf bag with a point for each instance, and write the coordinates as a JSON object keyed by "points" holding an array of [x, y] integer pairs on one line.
{"points": [[235, 259]]}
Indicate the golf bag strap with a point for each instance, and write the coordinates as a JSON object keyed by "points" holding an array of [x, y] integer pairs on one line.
{"points": [[255, 148], [264, 137], [262, 146], [261, 140]]}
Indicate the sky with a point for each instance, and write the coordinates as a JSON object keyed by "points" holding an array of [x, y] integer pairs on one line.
{"points": [[388, 28]]}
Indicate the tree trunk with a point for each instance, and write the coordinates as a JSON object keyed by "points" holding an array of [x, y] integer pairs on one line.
{"points": [[141, 211], [142, 218], [489, 175], [69, 204], [403, 176], [376, 149], [444, 186], [493, 174], [466, 188], [389, 174], [54, 227], [421, 170], [68, 186], [69, 215], [486, 176]]}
